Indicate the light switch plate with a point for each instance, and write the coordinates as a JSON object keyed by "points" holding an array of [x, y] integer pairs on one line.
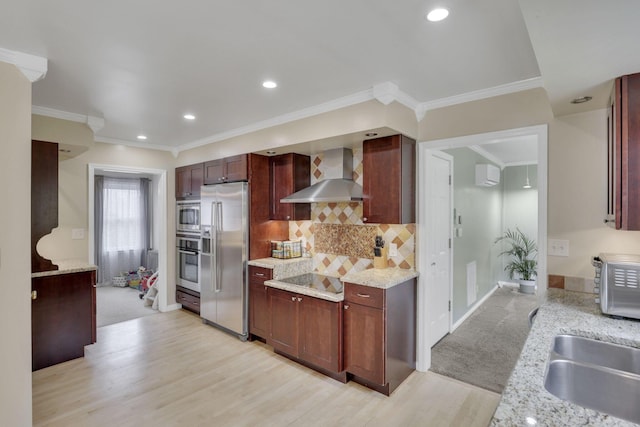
{"points": [[77, 233]]}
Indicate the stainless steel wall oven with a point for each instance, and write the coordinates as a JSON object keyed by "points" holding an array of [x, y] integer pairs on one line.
{"points": [[188, 261]]}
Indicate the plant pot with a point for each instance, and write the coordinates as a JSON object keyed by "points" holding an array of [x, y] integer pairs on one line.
{"points": [[528, 286]]}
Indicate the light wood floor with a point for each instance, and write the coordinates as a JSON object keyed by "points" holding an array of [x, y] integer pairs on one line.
{"points": [[171, 370]]}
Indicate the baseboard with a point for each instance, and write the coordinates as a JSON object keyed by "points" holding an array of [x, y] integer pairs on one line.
{"points": [[473, 308], [173, 307]]}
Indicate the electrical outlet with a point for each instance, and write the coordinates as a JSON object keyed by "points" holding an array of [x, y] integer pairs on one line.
{"points": [[393, 249], [558, 247]]}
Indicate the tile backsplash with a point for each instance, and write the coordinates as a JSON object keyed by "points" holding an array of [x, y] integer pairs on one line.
{"points": [[339, 241]]}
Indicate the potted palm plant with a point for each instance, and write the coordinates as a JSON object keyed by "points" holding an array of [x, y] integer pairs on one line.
{"points": [[521, 251]]}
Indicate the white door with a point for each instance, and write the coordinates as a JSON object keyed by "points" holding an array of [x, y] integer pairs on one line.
{"points": [[439, 169]]}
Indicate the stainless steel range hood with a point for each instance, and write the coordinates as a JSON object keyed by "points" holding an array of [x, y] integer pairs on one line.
{"points": [[338, 185]]}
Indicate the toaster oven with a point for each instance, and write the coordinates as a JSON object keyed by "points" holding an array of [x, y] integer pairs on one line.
{"points": [[617, 281]]}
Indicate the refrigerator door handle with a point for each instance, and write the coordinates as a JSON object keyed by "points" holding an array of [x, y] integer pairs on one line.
{"points": [[216, 223]]}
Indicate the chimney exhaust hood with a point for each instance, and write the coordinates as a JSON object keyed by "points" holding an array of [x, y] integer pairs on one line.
{"points": [[338, 185]]}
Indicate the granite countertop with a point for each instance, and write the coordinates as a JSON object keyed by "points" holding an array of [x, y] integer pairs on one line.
{"points": [[525, 399], [67, 266], [326, 291], [383, 278], [283, 268]]}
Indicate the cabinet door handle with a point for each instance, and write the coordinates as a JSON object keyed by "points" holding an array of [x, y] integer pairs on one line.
{"points": [[34, 295], [346, 306], [293, 299], [260, 274], [364, 295], [299, 299]]}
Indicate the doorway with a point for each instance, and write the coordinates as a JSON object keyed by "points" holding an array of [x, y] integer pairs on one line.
{"points": [[159, 218], [427, 285]]}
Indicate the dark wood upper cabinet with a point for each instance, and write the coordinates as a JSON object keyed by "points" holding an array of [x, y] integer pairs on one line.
{"points": [[44, 198], [289, 173], [624, 154], [189, 179], [229, 169], [389, 180]]}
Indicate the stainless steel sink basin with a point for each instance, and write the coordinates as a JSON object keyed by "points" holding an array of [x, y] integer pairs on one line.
{"points": [[596, 375], [599, 353]]}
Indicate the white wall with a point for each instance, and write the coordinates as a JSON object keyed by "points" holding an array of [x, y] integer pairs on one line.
{"points": [[15, 242], [577, 194]]}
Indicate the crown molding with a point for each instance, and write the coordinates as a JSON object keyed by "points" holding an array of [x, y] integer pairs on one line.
{"points": [[58, 114], [477, 95], [95, 123], [33, 67], [133, 144], [346, 101]]}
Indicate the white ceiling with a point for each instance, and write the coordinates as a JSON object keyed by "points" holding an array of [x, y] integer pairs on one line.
{"points": [[141, 65]]}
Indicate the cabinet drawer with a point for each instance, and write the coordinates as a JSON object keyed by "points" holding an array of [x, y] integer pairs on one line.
{"points": [[364, 295], [259, 274], [188, 301]]}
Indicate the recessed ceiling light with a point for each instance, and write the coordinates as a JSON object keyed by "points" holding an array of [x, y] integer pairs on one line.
{"points": [[269, 84], [437, 14], [142, 137], [189, 117], [581, 100]]}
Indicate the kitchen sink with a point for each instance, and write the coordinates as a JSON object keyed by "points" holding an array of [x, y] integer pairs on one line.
{"points": [[599, 353], [595, 375]]}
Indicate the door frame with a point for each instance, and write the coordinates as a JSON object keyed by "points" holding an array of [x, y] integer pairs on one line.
{"points": [[423, 351], [160, 219]]}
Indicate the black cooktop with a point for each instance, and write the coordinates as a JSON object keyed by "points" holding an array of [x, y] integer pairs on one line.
{"points": [[316, 281]]}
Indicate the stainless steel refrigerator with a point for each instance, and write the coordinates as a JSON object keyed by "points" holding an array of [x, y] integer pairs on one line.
{"points": [[223, 257]]}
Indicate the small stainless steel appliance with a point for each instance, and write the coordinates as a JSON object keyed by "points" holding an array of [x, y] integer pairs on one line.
{"points": [[617, 283], [188, 261], [188, 216]]}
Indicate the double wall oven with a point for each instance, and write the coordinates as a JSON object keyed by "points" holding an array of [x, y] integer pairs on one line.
{"points": [[188, 244]]}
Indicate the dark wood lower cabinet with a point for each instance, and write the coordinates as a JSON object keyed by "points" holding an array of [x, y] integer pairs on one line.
{"points": [[189, 299], [380, 334], [259, 307], [63, 318], [308, 330]]}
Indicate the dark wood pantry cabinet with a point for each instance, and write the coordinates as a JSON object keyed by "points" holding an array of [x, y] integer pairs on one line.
{"points": [[379, 334], [388, 180]]}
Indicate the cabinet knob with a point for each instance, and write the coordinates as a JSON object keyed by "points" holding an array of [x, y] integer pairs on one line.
{"points": [[364, 219], [346, 306], [34, 295], [293, 299], [299, 299], [288, 217]]}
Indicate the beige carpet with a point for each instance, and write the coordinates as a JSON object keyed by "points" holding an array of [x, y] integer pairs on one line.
{"points": [[484, 349], [115, 305]]}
